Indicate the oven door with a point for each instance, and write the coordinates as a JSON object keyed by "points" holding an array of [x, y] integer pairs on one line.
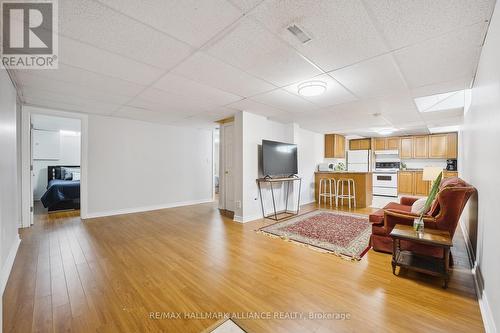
{"points": [[385, 180]]}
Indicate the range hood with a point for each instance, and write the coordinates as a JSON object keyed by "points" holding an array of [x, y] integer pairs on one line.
{"points": [[387, 152]]}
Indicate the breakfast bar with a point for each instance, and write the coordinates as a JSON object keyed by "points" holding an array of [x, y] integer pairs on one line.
{"points": [[362, 181]]}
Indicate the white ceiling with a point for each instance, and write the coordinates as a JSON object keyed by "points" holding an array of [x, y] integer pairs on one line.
{"points": [[193, 62]]}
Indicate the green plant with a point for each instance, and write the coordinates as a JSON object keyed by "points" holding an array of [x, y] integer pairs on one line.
{"points": [[418, 224]]}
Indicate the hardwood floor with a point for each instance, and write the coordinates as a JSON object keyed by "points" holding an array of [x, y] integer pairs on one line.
{"points": [[108, 275]]}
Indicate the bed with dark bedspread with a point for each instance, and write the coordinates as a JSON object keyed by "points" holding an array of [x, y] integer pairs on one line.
{"points": [[61, 194]]}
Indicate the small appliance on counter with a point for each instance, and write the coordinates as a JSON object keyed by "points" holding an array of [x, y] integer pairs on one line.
{"points": [[451, 165], [325, 167]]}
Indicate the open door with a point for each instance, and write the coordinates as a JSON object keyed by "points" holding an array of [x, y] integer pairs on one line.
{"points": [[226, 176]]}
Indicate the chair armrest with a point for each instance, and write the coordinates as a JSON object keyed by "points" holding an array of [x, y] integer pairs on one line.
{"points": [[407, 201], [394, 216]]}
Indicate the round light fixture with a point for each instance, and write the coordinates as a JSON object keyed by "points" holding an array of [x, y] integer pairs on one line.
{"points": [[312, 88]]}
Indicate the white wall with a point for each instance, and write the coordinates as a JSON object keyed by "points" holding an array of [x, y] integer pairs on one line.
{"points": [[69, 155], [250, 130], [136, 166], [479, 166], [311, 149], [9, 194]]}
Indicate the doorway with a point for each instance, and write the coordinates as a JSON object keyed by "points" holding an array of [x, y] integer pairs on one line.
{"points": [[55, 164], [50, 140]]}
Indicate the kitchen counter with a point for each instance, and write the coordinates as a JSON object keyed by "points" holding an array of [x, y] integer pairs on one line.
{"points": [[362, 181], [329, 172]]}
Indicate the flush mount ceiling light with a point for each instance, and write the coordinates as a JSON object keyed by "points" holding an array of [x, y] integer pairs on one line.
{"points": [[312, 88], [385, 131]]}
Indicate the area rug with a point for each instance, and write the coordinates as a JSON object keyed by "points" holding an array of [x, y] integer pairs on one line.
{"points": [[344, 234]]}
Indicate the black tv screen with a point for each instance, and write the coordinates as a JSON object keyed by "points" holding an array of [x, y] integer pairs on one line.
{"points": [[278, 158]]}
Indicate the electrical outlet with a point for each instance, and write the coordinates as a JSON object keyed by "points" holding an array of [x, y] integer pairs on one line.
{"points": [[238, 204]]}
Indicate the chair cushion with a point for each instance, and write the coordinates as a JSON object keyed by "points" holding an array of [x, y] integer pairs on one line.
{"points": [[378, 216]]}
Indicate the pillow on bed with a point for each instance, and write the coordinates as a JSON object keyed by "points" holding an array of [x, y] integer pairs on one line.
{"points": [[68, 171], [76, 175], [68, 176]]}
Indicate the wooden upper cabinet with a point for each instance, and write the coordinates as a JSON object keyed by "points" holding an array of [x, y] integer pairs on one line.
{"points": [[452, 145], [406, 147], [379, 143], [393, 143], [421, 146], [405, 182], [438, 145], [359, 144], [334, 146]]}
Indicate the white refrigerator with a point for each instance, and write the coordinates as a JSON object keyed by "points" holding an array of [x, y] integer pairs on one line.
{"points": [[359, 160]]}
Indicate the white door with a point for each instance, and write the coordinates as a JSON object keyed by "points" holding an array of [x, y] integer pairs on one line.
{"points": [[228, 138]]}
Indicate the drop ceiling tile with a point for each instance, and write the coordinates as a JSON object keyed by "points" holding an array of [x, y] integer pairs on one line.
{"points": [[158, 100], [402, 118], [405, 22], [96, 60], [442, 115], [443, 87], [190, 89], [90, 22], [334, 94], [192, 21], [371, 78], [147, 115], [446, 58], [246, 5], [206, 69], [87, 79], [285, 101], [70, 103], [251, 48], [341, 32], [42, 84], [259, 108]]}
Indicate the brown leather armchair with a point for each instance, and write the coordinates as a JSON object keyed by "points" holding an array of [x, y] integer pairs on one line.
{"points": [[444, 215]]}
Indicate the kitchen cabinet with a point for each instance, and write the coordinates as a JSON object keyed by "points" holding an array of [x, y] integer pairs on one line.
{"points": [[421, 146], [438, 146], [452, 145], [406, 147], [360, 144], [334, 146], [379, 143], [393, 143], [420, 186], [405, 182]]}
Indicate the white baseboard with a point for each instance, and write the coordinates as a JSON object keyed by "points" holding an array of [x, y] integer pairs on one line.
{"points": [[484, 307], [245, 219], [7, 266], [144, 208]]}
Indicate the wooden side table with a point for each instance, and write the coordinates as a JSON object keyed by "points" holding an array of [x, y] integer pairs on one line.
{"points": [[417, 262]]}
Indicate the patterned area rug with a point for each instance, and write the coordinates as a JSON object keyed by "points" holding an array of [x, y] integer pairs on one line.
{"points": [[344, 234]]}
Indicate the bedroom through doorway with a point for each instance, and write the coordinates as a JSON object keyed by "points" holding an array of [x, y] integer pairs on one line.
{"points": [[55, 164]]}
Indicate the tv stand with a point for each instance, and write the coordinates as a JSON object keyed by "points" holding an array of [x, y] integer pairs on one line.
{"points": [[286, 213]]}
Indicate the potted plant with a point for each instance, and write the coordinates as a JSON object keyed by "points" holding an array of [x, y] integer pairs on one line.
{"points": [[418, 223]]}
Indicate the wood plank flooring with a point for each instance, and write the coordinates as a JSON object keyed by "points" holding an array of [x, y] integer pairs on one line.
{"points": [[109, 274]]}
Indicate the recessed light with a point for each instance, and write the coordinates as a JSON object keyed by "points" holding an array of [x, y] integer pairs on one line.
{"points": [[312, 88]]}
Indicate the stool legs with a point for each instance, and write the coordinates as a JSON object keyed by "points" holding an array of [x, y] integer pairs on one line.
{"points": [[327, 189], [351, 195]]}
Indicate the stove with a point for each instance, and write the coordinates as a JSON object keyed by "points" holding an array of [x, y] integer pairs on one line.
{"points": [[385, 177]]}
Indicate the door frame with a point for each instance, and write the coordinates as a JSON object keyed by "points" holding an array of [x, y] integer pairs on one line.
{"points": [[26, 179], [222, 164]]}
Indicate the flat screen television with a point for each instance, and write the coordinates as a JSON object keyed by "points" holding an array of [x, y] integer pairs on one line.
{"points": [[279, 158]]}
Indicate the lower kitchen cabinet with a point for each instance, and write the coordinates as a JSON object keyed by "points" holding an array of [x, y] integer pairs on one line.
{"points": [[411, 182]]}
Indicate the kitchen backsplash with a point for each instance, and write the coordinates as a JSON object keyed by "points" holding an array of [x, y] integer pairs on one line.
{"points": [[420, 164]]}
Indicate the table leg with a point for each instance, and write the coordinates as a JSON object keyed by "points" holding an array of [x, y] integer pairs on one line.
{"points": [[395, 247], [446, 267]]}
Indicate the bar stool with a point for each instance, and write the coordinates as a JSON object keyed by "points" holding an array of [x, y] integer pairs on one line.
{"points": [[340, 191], [327, 189]]}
